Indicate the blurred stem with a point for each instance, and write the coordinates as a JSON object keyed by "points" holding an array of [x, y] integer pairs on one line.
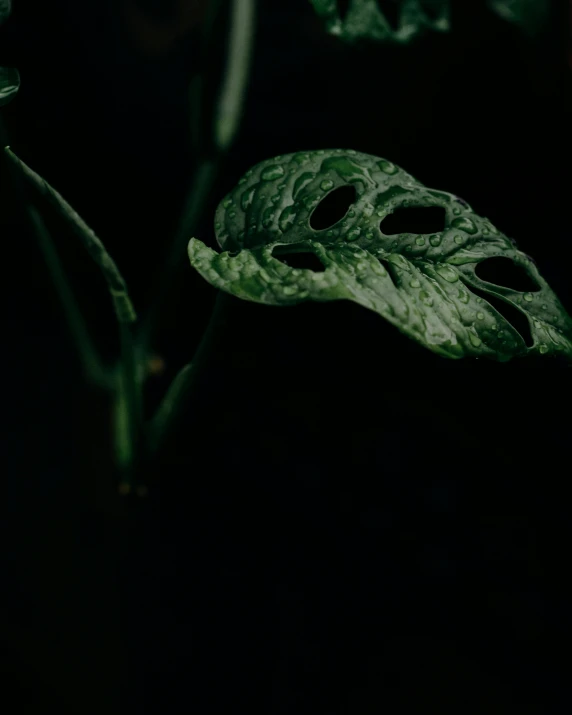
{"points": [[90, 360], [185, 381], [233, 91], [117, 288], [226, 119], [201, 187], [128, 409]]}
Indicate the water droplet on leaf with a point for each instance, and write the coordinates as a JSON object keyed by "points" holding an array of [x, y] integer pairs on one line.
{"points": [[387, 167], [447, 273], [465, 224], [275, 171]]}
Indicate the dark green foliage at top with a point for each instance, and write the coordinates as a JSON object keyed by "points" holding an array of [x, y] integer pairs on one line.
{"points": [[401, 21], [398, 21]]}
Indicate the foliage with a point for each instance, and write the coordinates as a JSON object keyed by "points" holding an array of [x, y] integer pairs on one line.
{"points": [[423, 279], [401, 21]]}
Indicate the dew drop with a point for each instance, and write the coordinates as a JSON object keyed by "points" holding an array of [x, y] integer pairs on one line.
{"points": [[378, 268], [247, 198], [435, 240], [481, 316], [420, 241], [353, 234], [301, 182], [426, 298], [275, 171], [463, 294], [528, 297], [387, 167], [543, 348], [458, 239], [474, 338], [290, 290], [447, 273], [226, 203], [275, 199], [465, 224], [327, 184], [287, 218], [415, 283], [369, 234], [544, 306]]}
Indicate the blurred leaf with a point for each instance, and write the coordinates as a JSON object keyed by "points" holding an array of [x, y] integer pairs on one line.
{"points": [[9, 84], [531, 15], [398, 21], [5, 8], [338, 224]]}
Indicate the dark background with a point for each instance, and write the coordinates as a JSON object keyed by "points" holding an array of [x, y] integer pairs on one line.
{"points": [[343, 523]]}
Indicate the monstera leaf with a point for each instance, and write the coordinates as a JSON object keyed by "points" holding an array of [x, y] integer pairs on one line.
{"points": [[336, 224], [396, 21]]}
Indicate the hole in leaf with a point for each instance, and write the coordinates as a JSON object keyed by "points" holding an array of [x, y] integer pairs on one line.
{"points": [[505, 272], [513, 315], [343, 7], [296, 256], [414, 219], [333, 207], [391, 11]]}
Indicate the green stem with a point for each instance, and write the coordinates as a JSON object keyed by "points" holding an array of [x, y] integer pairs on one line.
{"points": [[90, 360], [92, 366], [233, 91], [227, 115], [184, 382], [203, 182], [117, 288], [128, 410]]}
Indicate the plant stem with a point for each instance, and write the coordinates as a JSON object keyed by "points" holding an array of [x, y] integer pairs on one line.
{"points": [[115, 282], [226, 120], [184, 382], [128, 410], [233, 92], [202, 184], [92, 366]]}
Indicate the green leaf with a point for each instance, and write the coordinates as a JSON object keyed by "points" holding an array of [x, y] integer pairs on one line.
{"points": [[432, 283], [531, 15], [365, 19], [9, 84], [5, 8]]}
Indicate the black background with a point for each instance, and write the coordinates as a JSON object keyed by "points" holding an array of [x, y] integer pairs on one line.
{"points": [[343, 523]]}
